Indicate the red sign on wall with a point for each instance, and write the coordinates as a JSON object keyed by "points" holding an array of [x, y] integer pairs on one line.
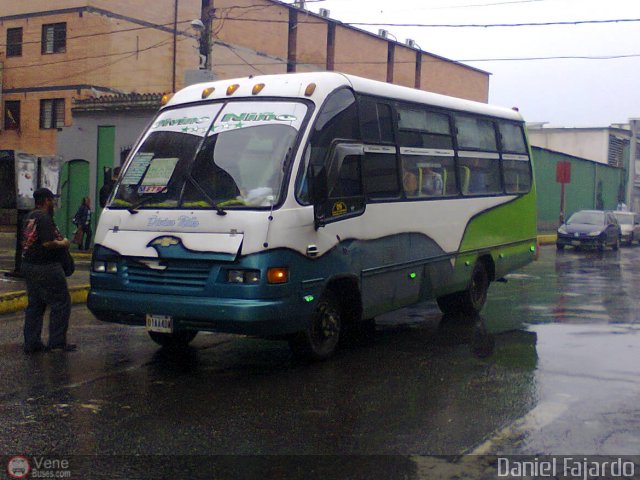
{"points": [[563, 172]]}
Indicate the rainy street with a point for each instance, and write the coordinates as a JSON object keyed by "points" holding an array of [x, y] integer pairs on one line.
{"points": [[550, 367]]}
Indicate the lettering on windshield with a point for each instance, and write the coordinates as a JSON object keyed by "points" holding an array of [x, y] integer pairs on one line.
{"points": [[178, 122], [258, 117]]}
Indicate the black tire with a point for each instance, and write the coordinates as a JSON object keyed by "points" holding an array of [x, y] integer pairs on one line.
{"points": [[560, 246], [471, 300], [616, 244], [320, 340], [174, 340]]}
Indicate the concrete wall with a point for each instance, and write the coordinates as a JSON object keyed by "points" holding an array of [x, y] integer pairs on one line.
{"points": [[592, 144], [80, 141]]}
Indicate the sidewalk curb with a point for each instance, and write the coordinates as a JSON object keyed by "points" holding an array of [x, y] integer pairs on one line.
{"points": [[16, 301]]}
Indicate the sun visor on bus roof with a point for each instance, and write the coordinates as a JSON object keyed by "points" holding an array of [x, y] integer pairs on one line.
{"points": [[187, 246]]}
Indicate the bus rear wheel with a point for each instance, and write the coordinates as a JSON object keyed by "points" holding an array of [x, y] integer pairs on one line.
{"points": [[174, 340], [471, 300], [320, 340]]}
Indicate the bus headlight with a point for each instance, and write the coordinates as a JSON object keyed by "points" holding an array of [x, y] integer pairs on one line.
{"points": [[250, 277], [100, 266]]}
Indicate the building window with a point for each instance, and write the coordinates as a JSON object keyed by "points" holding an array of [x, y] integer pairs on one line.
{"points": [[54, 38], [52, 113], [12, 115], [14, 42]]}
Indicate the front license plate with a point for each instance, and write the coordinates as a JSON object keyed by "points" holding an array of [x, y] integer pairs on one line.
{"points": [[159, 323]]}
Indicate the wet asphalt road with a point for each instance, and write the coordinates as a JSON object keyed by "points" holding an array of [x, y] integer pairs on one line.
{"points": [[550, 367]]}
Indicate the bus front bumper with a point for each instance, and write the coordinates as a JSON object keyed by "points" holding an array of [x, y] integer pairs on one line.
{"points": [[264, 318]]}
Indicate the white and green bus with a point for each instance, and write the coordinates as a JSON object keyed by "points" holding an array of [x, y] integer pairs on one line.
{"points": [[301, 206]]}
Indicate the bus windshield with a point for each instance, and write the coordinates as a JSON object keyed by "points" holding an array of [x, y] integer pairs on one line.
{"points": [[213, 156]]}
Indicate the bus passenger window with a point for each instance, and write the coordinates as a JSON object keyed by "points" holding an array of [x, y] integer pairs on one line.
{"points": [[475, 134], [380, 175], [375, 122], [483, 175]]}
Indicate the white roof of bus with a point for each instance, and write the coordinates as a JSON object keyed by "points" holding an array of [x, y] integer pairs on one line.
{"points": [[293, 85]]}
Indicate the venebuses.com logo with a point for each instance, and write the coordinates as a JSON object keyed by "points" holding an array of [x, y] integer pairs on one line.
{"points": [[18, 467]]}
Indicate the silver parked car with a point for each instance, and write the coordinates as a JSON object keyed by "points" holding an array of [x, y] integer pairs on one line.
{"points": [[630, 226]]}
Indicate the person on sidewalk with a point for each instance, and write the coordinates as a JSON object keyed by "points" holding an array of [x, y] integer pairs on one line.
{"points": [[82, 220], [42, 250], [107, 187]]}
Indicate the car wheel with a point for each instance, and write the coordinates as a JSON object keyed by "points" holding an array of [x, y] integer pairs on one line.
{"points": [[174, 340], [471, 300], [559, 246], [320, 340]]}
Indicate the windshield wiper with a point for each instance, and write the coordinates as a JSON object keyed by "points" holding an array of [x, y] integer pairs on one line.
{"points": [[133, 209], [219, 210]]}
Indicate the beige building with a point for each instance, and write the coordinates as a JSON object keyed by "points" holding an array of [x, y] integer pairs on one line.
{"points": [[88, 48]]}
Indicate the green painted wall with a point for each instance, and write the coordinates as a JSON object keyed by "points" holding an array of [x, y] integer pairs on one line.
{"points": [[593, 185]]}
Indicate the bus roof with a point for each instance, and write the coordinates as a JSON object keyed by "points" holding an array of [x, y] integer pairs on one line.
{"points": [[293, 85]]}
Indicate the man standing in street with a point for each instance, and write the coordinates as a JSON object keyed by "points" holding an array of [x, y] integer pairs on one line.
{"points": [[42, 251]]}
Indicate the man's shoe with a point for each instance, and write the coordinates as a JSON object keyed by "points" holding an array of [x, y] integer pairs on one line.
{"points": [[38, 347], [67, 347]]}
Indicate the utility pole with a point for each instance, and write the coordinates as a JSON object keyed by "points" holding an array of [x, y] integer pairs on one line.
{"points": [[631, 174], [175, 45]]}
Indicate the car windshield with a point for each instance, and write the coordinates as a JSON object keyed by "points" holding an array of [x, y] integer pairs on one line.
{"points": [[214, 155], [624, 219], [587, 218]]}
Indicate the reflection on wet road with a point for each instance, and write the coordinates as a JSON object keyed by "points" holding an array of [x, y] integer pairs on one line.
{"points": [[551, 366]]}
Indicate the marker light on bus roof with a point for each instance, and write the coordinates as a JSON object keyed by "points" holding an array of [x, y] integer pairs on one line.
{"points": [[165, 98], [257, 88], [310, 89], [207, 91], [231, 89]]}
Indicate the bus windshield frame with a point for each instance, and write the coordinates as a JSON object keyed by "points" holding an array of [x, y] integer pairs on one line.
{"points": [[234, 154]]}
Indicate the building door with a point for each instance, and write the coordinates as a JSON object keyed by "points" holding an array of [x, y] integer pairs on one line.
{"points": [[74, 186], [106, 156]]}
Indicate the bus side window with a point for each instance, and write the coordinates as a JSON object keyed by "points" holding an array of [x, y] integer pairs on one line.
{"points": [[344, 182], [338, 119], [515, 158], [381, 176]]}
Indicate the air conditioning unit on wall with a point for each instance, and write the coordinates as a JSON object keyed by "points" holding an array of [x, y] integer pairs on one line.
{"points": [[383, 33], [411, 43], [324, 12]]}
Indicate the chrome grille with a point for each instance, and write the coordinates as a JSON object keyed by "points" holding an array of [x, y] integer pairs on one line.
{"points": [[176, 274]]}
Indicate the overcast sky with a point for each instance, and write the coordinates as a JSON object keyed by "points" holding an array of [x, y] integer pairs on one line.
{"points": [[564, 92]]}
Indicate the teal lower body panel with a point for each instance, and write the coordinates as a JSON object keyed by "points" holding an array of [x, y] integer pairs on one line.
{"points": [[272, 317]]}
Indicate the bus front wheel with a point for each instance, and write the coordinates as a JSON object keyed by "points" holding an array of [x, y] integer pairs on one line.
{"points": [[173, 340], [471, 300], [320, 340]]}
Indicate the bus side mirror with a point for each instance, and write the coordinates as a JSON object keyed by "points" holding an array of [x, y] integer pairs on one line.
{"points": [[318, 192]]}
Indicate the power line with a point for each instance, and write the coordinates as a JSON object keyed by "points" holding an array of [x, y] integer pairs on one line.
{"points": [[492, 25], [444, 25], [473, 5]]}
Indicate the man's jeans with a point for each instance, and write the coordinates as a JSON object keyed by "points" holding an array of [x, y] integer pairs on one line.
{"points": [[46, 285]]}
